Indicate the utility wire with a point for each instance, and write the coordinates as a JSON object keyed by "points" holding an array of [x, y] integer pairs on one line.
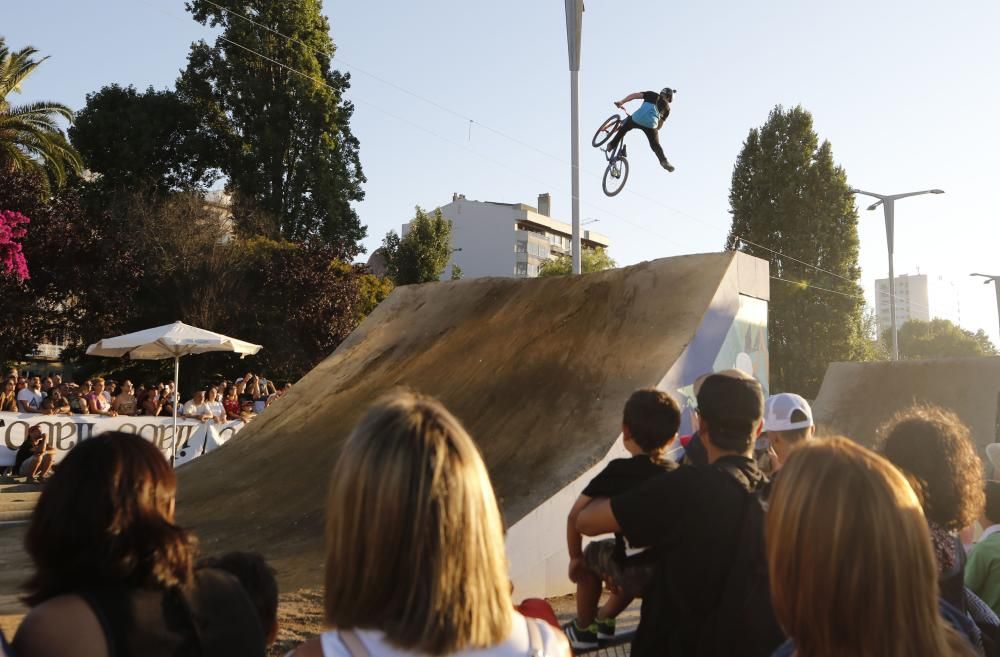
{"points": [[514, 140]]}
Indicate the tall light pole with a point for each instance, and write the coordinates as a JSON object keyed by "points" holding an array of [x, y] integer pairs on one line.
{"points": [[574, 27], [888, 203], [996, 287]]}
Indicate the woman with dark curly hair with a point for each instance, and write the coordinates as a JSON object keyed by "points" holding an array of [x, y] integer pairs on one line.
{"points": [[935, 451], [113, 573]]}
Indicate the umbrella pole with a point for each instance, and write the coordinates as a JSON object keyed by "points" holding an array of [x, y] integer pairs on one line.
{"points": [[177, 398]]}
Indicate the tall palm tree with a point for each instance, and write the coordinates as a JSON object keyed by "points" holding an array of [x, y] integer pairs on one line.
{"points": [[30, 138]]}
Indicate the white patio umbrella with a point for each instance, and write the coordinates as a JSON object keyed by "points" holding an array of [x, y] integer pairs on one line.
{"points": [[170, 341]]}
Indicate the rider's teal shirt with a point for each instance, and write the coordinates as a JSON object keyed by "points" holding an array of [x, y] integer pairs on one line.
{"points": [[648, 116], [652, 112]]}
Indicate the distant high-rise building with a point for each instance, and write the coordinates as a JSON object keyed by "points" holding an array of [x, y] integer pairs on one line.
{"points": [[911, 301]]}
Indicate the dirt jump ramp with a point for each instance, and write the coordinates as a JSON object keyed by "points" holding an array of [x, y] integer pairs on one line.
{"points": [[856, 398], [538, 371]]}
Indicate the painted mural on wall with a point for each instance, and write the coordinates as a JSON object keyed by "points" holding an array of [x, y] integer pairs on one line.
{"points": [[744, 347]]}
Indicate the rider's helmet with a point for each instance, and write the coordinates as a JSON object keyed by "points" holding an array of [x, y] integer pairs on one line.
{"points": [[668, 93]]}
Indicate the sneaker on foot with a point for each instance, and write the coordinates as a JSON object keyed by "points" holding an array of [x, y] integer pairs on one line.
{"points": [[666, 165], [605, 628], [581, 638]]}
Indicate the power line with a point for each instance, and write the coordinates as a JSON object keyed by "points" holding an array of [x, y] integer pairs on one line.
{"points": [[416, 125], [805, 285], [498, 132], [510, 138], [513, 139]]}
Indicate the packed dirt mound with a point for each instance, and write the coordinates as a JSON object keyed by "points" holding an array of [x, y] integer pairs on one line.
{"points": [[536, 369], [856, 398]]}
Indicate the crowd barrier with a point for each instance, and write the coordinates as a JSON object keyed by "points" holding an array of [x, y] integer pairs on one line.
{"points": [[193, 438]]}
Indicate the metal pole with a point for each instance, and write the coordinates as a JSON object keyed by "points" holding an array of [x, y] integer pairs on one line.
{"points": [[996, 288], [177, 398], [574, 81], [889, 218], [574, 30]]}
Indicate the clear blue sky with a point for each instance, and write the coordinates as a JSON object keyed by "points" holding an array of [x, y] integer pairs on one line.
{"points": [[905, 91]]}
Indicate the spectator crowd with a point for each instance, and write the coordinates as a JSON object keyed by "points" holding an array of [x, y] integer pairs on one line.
{"points": [[763, 538], [222, 401]]}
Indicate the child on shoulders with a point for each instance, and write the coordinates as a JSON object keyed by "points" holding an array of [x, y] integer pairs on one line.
{"points": [[649, 424]]}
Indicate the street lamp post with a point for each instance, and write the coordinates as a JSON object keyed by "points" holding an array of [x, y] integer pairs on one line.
{"points": [[996, 287], [888, 203], [574, 27]]}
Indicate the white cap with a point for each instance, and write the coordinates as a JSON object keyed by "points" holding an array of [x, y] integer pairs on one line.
{"points": [[779, 409]]}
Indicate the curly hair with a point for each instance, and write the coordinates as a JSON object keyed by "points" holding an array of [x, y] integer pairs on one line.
{"points": [[935, 449]]}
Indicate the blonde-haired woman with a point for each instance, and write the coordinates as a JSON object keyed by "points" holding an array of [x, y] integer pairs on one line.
{"points": [[851, 564], [415, 561]]}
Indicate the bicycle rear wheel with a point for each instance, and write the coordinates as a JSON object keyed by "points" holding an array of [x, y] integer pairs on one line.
{"points": [[615, 176], [608, 128]]}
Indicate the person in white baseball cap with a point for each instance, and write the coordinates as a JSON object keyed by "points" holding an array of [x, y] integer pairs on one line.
{"points": [[788, 420]]}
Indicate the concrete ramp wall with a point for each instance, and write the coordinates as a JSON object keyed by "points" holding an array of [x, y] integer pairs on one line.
{"points": [[538, 370], [856, 398]]}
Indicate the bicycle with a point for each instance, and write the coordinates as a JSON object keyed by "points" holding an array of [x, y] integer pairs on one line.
{"points": [[617, 169]]}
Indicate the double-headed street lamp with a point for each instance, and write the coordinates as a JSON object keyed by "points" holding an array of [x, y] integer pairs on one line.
{"points": [[996, 287], [888, 204]]}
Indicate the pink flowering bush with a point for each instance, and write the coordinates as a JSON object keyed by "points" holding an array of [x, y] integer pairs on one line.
{"points": [[11, 257]]}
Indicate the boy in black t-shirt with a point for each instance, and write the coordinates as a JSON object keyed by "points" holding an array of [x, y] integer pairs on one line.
{"points": [[649, 424]]}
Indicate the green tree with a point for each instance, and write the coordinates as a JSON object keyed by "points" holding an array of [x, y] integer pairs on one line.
{"points": [[150, 140], [592, 260], [788, 195], [423, 253], [82, 284], [279, 117], [30, 138], [940, 338]]}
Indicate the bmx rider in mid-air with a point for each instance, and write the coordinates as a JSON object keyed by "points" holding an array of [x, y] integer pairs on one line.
{"points": [[649, 118]]}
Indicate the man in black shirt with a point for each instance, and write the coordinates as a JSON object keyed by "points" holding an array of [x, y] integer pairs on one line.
{"points": [[694, 518], [649, 423], [649, 118]]}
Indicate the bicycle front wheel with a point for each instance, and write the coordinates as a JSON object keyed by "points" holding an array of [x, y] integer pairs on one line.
{"points": [[615, 176], [608, 128]]}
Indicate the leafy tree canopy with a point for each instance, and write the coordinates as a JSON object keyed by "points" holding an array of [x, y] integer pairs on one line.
{"points": [[83, 277], [789, 196], [423, 253], [591, 260], [940, 338], [277, 110], [150, 139], [30, 137]]}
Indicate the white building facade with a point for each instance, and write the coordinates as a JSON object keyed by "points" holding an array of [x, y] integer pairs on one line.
{"points": [[911, 301], [507, 239]]}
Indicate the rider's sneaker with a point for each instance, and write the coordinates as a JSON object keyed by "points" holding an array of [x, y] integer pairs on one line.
{"points": [[605, 628], [666, 165], [581, 638]]}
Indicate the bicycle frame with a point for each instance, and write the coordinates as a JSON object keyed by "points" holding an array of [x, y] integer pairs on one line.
{"points": [[618, 151]]}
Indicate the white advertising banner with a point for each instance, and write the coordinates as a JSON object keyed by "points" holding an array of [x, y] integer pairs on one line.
{"points": [[194, 438]]}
